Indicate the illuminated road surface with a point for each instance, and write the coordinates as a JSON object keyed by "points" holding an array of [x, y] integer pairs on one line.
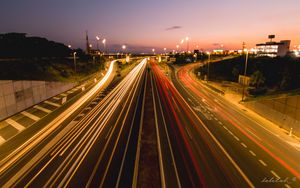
{"points": [[202, 141], [73, 156], [260, 153], [200, 160]]}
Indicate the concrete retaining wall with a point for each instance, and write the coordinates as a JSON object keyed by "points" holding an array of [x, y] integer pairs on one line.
{"points": [[283, 111], [16, 96]]}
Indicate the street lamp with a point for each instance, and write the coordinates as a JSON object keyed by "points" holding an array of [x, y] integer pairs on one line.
{"points": [[187, 44], [69, 46], [177, 47], [153, 50], [104, 42], [165, 50], [208, 65], [98, 38], [74, 56], [124, 47], [99, 56], [245, 72]]}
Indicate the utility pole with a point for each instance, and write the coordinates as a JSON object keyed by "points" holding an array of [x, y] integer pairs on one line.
{"points": [[243, 48], [87, 42], [74, 56], [245, 73]]}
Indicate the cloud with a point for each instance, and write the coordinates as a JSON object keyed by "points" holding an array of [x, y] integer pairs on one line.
{"points": [[173, 28]]}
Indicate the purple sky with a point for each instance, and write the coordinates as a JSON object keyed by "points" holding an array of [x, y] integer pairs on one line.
{"points": [[146, 24]]}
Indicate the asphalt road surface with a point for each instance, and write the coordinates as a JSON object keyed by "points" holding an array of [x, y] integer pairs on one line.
{"points": [[264, 158]]}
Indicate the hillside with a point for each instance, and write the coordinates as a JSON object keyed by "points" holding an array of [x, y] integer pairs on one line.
{"points": [[272, 74], [36, 58]]}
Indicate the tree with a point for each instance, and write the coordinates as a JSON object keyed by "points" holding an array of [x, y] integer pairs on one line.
{"points": [[257, 79], [235, 71]]}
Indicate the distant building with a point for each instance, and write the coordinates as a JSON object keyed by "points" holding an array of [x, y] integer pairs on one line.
{"points": [[273, 49]]}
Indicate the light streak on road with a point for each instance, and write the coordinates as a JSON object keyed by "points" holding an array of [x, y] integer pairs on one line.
{"points": [[33, 141], [234, 119], [73, 144], [186, 122]]}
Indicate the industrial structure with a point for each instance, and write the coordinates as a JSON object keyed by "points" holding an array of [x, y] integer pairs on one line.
{"points": [[273, 49]]}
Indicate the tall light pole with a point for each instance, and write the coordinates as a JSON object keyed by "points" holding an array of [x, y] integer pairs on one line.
{"points": [[182, 41], [153, 50], [245, 73], [124, 48], [99, 56], [187, 44], [104, 42], [177, 47], [74, 56], [98, 38], [208, 53]]}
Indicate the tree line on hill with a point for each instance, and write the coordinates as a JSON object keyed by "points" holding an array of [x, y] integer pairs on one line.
{"points": [[18, 45], [269, 74], [35, 58]]}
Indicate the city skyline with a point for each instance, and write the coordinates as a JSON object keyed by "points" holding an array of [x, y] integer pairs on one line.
{"points": [[154, 24]]}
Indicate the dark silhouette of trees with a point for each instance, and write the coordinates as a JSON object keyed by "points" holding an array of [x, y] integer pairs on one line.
{"points": [[18, 45], [257, 79], [280, 73]]}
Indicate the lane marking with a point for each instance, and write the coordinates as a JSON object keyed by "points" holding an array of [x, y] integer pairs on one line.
{"points": [[252, 153], [254, 134], [2, 140], [274, 173], [63, 94], [70, 91], [188, 132], [216, 118], [220, 122], [262, 162], [295, 145], [52, 103], [230, 132], [31, 116], [287, 186], [42, 109], [108, 133], [225, 127], [236, 138], [245, 146], [56, 98], [15, 124]]}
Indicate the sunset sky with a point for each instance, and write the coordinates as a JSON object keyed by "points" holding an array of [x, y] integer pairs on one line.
{"points": [[147, 24]]}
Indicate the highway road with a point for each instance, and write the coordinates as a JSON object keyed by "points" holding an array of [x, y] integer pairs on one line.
{"points": [[190, 135], [192, 156], [265, 159], [77, 154]]}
